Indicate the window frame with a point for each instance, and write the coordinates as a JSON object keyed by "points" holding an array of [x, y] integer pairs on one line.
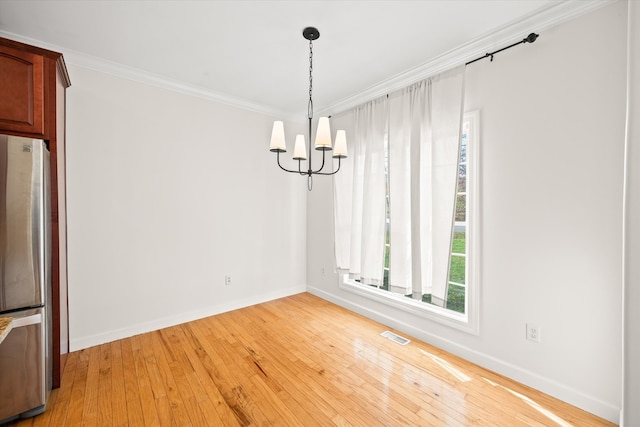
{"points": [[469, 320]]}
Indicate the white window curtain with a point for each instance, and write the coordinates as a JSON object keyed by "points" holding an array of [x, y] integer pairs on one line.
{"points": [[422, 123], [359, 194], [424, 142]]}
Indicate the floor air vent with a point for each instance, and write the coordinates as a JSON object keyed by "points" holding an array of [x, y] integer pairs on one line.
{"points": [[395, 337]]}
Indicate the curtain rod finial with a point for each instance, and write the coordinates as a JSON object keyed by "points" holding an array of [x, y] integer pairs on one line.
{"points": [[531, 38]]}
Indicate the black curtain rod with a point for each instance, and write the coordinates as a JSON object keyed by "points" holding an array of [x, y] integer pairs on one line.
{"points": [[530, 39]]}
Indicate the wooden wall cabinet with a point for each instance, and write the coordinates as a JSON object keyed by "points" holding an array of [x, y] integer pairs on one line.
{"points": [[32, 104], [22, 91]]}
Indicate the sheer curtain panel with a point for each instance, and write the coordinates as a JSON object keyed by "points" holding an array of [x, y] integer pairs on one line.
{"points": [[424, 141], [420, 126], [359, 208], [342, 195]]}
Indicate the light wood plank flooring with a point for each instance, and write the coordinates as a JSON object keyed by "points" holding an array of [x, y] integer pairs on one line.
{"points": [[296, 361]]}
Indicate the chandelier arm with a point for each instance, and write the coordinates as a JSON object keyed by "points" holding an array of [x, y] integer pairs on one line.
{"points": [[322, 166], [299, 171], [300, 168], [329, 173]]}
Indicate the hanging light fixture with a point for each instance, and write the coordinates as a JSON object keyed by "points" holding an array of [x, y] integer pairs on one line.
{"points": [[323, 131]]}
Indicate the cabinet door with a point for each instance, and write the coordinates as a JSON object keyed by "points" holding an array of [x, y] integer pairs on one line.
{"points": [[21, 91]]}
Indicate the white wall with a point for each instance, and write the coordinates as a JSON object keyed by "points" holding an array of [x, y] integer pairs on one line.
{"points": [[631, 409], [552, 118], [167, 194]]}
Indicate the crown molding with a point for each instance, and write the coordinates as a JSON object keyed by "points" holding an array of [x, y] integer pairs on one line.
{"points": [[540, 20], [544, 18], [122, 71]]}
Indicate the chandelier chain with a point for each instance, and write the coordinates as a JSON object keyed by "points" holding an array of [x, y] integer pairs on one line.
{"points": [[310, 106]]}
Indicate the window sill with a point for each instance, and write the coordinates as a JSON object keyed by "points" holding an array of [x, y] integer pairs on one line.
{"points": [[440, 315]]}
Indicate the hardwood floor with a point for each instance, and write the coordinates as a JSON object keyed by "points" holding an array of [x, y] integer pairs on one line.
{"points": [[296, 361]]}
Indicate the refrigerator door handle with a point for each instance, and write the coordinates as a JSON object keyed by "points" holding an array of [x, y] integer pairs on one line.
{"points": [[34, 319]]}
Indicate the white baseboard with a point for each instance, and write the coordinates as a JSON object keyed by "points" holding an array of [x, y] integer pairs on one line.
{"points": [[558, 390], [154, 325]]}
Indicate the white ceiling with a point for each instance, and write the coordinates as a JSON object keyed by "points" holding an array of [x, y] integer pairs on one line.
{"points": [[252, 52]]}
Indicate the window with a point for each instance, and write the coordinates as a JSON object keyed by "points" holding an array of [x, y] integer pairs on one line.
{"points": [[456, 295], [460, 308]]}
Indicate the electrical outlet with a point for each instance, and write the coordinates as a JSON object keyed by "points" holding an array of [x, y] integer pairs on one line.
{"points": [[533, 333], [227, 280]]}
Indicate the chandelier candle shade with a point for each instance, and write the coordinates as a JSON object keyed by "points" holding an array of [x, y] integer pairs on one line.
{"points": [[323, 131]]}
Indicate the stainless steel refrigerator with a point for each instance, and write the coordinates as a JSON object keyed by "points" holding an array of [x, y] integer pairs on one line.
{"points": [[25, 274]]}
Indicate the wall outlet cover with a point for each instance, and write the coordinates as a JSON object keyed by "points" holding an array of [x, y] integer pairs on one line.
{"points": [[533, 333]]}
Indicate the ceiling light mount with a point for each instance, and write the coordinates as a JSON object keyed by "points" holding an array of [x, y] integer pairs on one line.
{"points": [[311, 33], [323, 131]]}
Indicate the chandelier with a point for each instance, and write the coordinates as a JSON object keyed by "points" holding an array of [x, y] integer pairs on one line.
{"points": [[323, 131]]}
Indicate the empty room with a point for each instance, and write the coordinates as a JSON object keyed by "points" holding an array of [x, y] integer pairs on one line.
{"points": [[298, 213]]}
